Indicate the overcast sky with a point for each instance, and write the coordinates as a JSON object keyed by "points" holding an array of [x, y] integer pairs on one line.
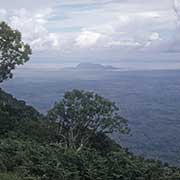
{"points": [[97, 30]]}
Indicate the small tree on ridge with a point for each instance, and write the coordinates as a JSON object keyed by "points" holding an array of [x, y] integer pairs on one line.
{"points": [[80, 115]]}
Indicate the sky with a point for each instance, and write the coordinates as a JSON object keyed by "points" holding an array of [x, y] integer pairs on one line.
{"points": [[97, 30]]}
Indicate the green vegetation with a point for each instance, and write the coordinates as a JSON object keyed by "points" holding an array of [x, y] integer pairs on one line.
{"points": [[13, 51], [71, 142], [9, 177], [80, 115]]}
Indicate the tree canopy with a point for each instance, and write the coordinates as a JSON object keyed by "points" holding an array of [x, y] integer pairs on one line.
{"points": [[13, 51], [82, 114]]}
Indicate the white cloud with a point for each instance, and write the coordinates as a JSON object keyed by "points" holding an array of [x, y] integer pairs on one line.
{"points": [[130, 43], [33, 26], [150, 14], [3, 14], [177, 6], [123, 20], [105, 25], [27, 4], [87, 38], [154, 36]]}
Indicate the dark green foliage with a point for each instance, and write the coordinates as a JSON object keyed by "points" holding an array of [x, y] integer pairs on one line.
{"points": [[9, 177], [19, 120], [13, 51], [80, 115], [7, 99], [33, 160]]}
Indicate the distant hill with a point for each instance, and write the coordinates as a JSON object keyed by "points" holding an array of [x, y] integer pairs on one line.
{"points": [[92, 67]]}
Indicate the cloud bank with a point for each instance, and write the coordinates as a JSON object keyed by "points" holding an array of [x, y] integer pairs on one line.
{"points": [[103, 27]]}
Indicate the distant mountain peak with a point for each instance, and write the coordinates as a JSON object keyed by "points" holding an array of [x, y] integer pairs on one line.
{"points": [[94, 66]]}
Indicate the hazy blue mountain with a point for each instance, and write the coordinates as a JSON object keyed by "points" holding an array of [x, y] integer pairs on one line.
{"points": [[91, 67]]}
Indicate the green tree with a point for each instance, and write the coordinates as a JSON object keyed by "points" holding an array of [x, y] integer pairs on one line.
{"points": [[80, 115], [13, 51]]}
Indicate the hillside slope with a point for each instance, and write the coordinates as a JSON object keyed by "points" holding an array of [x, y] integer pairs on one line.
{"points": [[29, 152]]}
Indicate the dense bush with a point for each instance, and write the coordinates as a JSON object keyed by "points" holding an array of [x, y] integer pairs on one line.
{"points": [[52, 162]]}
